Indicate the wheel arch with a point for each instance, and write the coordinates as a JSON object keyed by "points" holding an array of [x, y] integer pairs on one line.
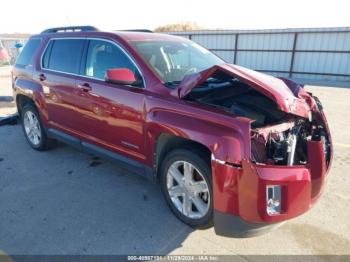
{"points": [[22, 100], [28, 91], [224, 141], [166, 142]]}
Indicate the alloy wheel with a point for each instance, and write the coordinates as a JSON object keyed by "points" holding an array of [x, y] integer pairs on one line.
{"points": [[188, 190], [32, 127]]}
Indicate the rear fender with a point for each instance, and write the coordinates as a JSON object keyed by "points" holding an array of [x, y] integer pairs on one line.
{"points": [[33, 91]]}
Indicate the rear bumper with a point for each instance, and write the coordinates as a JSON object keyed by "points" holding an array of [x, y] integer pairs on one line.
{"points": [[240, 193]]}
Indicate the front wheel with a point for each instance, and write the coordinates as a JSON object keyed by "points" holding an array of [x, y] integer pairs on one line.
{"points": [[186, 184]]}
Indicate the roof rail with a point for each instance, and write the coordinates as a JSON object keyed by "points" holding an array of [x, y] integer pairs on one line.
{"points": [[138, 30], [85, 28]]}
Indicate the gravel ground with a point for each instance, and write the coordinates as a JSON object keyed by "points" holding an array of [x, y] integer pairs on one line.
{"points": [[67, 202]]}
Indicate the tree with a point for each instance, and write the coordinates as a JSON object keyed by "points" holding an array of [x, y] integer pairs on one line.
{"points": [[183, 26]]}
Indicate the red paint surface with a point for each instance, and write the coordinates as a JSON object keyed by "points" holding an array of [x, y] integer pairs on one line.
{"points": [[242, 191]]}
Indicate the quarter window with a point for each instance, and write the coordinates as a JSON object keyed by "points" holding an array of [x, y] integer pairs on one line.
{"points": [[102, 56], [64, 55], [28, 51]]}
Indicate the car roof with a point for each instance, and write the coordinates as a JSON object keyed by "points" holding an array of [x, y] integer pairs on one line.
{"points": [[124, 35], [138, 36]]}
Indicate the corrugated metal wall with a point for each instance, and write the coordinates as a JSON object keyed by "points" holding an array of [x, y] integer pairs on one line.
{"points": [[314, 54], [311, 54]]}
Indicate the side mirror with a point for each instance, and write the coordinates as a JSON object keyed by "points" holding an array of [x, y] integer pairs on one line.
{"points": [[121, 76]]}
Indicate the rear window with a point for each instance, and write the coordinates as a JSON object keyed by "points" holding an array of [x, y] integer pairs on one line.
{"points": [[28, 51], [64, 55]]}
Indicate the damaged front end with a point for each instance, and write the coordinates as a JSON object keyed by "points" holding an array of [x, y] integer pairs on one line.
{"points": [[284, 116], [290, 143], [286, 143]]}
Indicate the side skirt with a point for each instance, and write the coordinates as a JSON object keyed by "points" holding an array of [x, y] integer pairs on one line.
{"points": [[127, 163]]}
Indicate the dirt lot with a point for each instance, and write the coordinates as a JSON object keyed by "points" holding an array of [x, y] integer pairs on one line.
{"points": [[67, 202]]}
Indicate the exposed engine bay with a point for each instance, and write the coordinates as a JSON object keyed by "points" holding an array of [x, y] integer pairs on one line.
{"points": [[277, 137], [238, 98], [286, 143]]}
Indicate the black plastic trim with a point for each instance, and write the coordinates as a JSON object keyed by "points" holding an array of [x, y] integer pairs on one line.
{"points": [[137, 30], [132, 165], [233, 226], [68, 139], [85, 28]]}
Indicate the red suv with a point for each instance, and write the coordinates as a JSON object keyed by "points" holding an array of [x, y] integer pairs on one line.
{"points": [[230, 146]]}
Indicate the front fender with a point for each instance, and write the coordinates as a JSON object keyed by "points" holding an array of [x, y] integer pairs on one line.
{"points": [[225, 141]]}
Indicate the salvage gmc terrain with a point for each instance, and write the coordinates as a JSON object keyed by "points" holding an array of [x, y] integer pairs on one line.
{"points": [[231, 147]]}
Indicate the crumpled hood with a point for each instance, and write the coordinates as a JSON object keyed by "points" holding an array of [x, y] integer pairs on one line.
{"points": [[289, 96]]}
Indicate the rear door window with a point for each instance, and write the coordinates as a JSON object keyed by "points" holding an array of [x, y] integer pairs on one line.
{"points": [[28, 52], [64, 55]]}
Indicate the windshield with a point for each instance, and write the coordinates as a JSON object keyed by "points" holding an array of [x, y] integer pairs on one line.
{"points": [[172, 60]]}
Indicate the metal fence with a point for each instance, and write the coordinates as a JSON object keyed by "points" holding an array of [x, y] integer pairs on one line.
{"points": [[314, 54]]}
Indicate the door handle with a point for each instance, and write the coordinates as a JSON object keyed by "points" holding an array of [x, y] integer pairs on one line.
{"points": [[42, 77], [85, 87]]}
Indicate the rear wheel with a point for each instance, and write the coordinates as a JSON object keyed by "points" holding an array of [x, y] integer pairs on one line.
{"points": [[186, 184], [33, 129]]}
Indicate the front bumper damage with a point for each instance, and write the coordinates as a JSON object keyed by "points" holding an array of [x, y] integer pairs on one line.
{"points": [[240, 195]]}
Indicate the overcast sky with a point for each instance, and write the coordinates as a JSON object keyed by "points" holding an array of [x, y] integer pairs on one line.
{"points": [[32, 16]]}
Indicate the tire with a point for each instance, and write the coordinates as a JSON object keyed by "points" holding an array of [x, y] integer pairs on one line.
{"points": [[200, 212], [36, 129]]}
